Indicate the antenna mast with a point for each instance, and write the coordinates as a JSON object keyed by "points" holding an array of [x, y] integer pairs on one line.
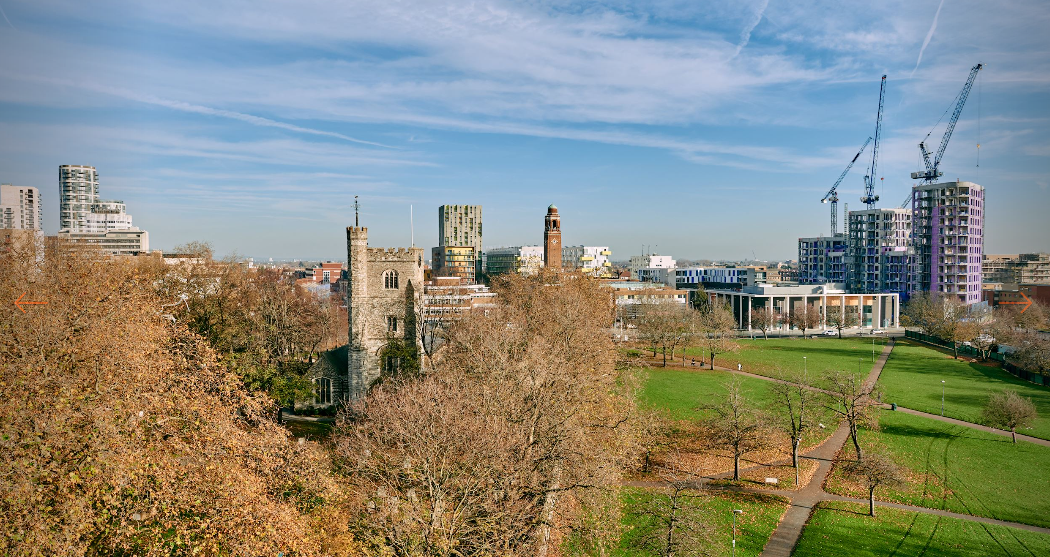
{"points": [[356, 207]]}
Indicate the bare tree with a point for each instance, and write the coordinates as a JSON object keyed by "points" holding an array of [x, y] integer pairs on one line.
{"points": [[923, 311], [794, 399], [737, 425], [674, 522], [1008, 410], [764, 320], [873, 470], [840, 318], [665, 324], [955, 324], [805, 317], [853, 400], [717, 327]]}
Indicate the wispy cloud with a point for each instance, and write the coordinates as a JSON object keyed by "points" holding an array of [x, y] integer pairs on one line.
{"points": [[929, 35], [745, 35]]}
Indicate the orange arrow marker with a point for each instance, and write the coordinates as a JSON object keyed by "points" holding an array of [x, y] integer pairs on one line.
{"points": [[1027, 302], [20, 303]]}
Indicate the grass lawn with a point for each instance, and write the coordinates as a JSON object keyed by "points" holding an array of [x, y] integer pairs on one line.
{"points": [[960, 469], [765, 357], [314, 431], [759, 519], [845, 529], [912, 379]]}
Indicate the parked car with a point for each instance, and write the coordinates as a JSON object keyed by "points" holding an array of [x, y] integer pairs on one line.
{"points": [[830, 332], [877, 331]]}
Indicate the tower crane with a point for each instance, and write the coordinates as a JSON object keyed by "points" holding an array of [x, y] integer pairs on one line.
{"points": [[932, 171], [870, 198], [833, 195]]}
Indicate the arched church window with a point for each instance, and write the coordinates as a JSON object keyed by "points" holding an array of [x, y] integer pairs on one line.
{"points": [[390, 280]]}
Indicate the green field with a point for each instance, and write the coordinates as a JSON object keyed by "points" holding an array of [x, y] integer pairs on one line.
{"points": [[912, 379], [961, 469], [759, 519], [845, 529], [680, 392], [766, 357]]}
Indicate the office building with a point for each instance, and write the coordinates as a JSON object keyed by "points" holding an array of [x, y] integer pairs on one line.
{"points": [[652, 261], [948, 238], [878, 250], [129, 241], [589, 260], [459, 227], [77, 192], [876, 310], [709, 277], [20, 208], [822, 259], [524, 260]]}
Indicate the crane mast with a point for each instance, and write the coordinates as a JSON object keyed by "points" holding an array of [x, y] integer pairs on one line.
{"points": [[833, 195], [933, 171], [870, 198]]}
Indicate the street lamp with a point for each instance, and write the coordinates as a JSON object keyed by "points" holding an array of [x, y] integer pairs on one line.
{"points": [[804, 368], [735, 512], [942, 398]]}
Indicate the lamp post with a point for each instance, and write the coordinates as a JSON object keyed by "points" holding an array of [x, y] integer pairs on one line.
{"points": [[942, 398], [805, 369], [735, 512]]}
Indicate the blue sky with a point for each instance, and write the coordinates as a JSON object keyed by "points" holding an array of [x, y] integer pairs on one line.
{"points": [[709, 129]]}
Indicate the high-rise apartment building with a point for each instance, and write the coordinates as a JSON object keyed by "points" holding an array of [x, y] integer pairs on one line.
{"points": [[20, 208], [948, 238], [78, 191], [822, 259], [552, 239], [878, 253], [459, 228]]}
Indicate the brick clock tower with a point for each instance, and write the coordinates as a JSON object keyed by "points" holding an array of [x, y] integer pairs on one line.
{"points": [[552, 239]]}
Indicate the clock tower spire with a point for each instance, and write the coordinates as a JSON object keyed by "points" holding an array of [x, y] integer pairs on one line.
{"points": [[552, 239]]}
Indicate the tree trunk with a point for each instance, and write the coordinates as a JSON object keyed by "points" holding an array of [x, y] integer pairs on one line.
{"points": [[853, 435], [736, 467], [665, 357], [712, 360], [794, 458], [871, 500], [955, 349], [1013, 432], [549, 501]]}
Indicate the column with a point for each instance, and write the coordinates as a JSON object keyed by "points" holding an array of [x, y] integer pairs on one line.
{"points": [[748, 298]]}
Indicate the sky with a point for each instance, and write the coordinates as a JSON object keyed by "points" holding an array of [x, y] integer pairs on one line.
{"points": [[696, 129]]}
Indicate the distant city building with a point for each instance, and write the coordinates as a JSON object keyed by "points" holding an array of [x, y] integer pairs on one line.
{"points": [[1023, 268], [20, 208], [877, 310], [1012, 294], [448, 298], [552, 239], [878, 249], [649, 262], [710, 277], [524, 260], [77, 192], [590, 260], [822, 259], [128, 241], [629, 300], [660, 275], [459, 227], [948, 238], [106, 216]]}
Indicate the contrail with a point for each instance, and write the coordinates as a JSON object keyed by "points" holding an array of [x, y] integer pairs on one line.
{"points": [[929, 36], [745, 35], [5, 17]]}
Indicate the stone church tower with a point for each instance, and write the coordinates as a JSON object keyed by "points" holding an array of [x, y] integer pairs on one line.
{"points": [[385, 285], [552, 239]]}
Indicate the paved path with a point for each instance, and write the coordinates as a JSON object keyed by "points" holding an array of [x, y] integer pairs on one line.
{"points": [[972, 425]]}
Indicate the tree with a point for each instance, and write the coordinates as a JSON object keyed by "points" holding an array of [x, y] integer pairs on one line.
{"points": [[665, 324], [793, 399], [841, 318], [955, 325], [524, 416], [805, 317], [923, 311], [764, 320], [849, 397], [1008, 410], [737, 425], [673, 520], [717, 326], [126, 435], [873, 470]]}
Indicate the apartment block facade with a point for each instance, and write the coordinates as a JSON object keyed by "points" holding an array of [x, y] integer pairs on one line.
{"points": [[77, 192], [590, 260], [20, 208], [459, 227], [822, 259], [948, 238], [1018, 268], [524, 260], [878, 250]]}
